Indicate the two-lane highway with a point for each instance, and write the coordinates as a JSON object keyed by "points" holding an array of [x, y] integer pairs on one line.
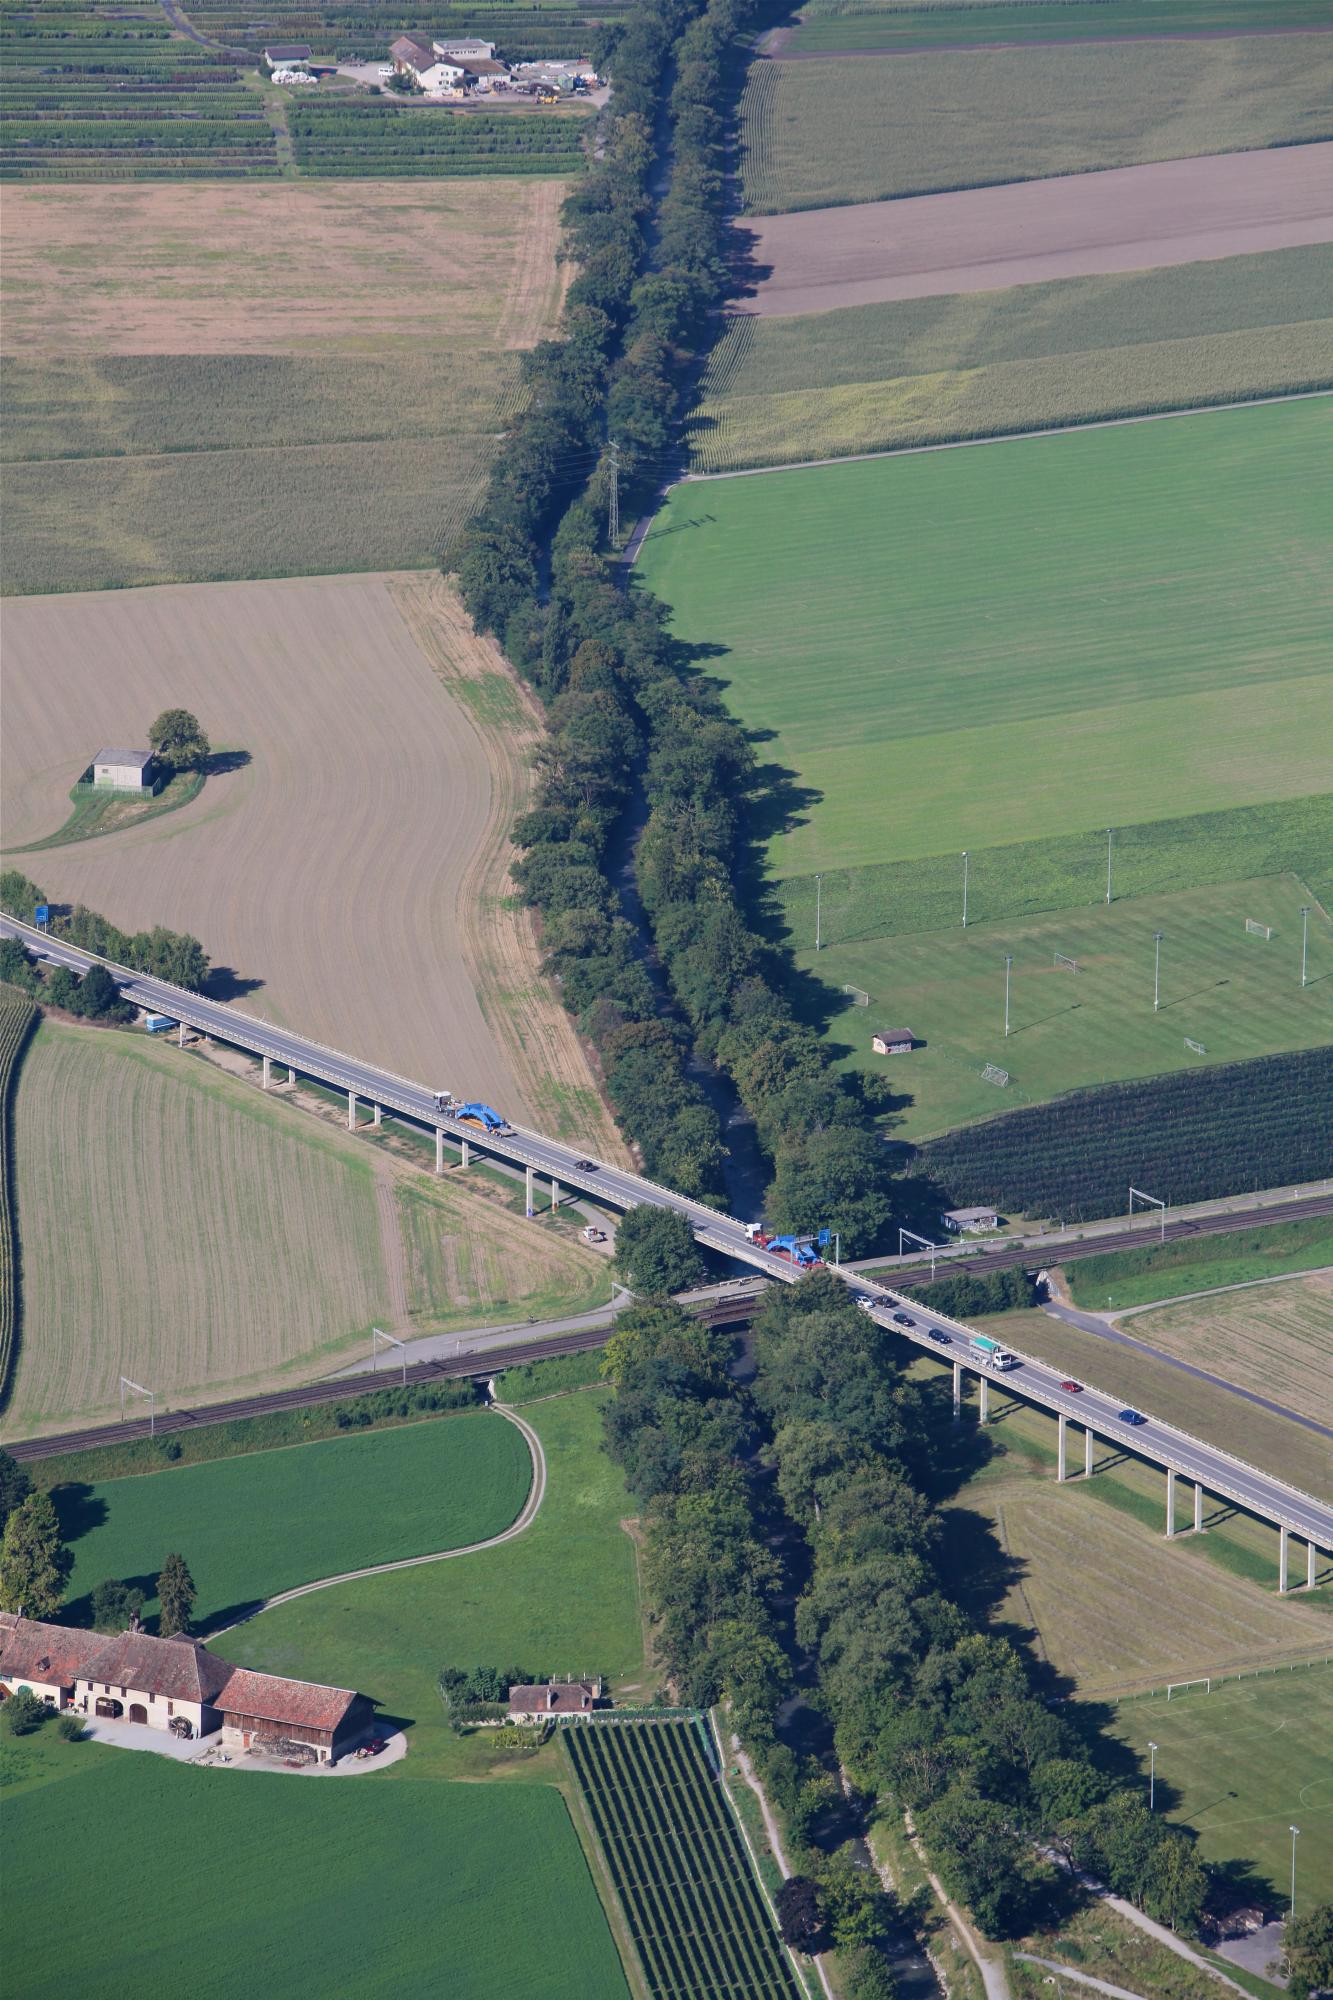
{"points": [[1189, 1458]]}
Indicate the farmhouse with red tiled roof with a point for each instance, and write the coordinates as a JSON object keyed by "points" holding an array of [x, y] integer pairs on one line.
{"points": [[178, 1685]]}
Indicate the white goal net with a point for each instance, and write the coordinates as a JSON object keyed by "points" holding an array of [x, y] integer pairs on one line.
{"points": [[1064, 963], [994, 1074], [1252, 929], [1183, 1687], [857, 995]]}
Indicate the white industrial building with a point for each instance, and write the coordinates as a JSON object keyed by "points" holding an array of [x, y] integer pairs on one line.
{"points": [[124, 770]]}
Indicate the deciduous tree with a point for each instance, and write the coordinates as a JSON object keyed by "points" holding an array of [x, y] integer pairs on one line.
{"points": [[34, 1562]]}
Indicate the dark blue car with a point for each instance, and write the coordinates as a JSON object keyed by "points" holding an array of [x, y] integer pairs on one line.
{"points": [[1132, 1417]]}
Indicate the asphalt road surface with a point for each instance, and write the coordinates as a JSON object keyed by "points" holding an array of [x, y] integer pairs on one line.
{"points": [[1191, 1458]]}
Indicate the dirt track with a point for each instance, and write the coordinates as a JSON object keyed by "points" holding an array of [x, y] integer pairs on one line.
{"points": [[1126, 219], [332, 868]]}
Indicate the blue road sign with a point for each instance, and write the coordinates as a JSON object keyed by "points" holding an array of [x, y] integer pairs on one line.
{"points": [[42, 914], [824, 1238]]}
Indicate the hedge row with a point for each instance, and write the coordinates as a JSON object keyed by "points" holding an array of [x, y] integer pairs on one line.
{"points": [[17, 1018], [1189, 1137]]}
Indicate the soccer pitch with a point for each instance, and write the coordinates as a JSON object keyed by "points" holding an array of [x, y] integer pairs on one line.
{"points": [[1234, 994], [1242, 1765], [1007, 641]]}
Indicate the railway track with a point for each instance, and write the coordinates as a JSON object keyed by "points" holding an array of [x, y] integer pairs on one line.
{"points": [[1032, 1254], [340, 1389]]}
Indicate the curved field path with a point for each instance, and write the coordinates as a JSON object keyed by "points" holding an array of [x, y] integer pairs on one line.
{"points": [[336, 868], [531, 1508]]}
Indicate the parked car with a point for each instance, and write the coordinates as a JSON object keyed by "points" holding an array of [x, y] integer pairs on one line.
{"points": [[1134, 1417], [1072, 1388]]}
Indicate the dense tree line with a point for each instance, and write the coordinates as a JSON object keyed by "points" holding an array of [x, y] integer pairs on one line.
{"points": [[623, 705], [817, 1473], [924, 1706], [163, 954]]}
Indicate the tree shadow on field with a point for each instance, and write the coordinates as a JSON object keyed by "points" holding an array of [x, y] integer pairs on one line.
{"points": [[225, 983], [221, 763], [78, 1510]]}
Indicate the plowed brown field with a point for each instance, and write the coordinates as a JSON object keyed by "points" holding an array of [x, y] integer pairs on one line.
{"points": [[1126, 219], [340, 877]]}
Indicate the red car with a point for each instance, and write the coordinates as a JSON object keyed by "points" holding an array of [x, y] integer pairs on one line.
{"points": [[376, 1744], [1073, 1388]]}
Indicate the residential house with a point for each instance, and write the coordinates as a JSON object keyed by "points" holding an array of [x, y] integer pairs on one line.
{"points": [[554, 1698], [45, 1659], [137, 1678]]}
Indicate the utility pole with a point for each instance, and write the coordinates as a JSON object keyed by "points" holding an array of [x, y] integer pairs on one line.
{"points": [[1108, 867], [1157, 937], [964, 888], [1007, 964], [819, 895], [1305, 938], [613, 497], [1293, 1831]]}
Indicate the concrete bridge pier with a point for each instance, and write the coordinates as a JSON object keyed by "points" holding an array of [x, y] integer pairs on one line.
{"points": [[268, 1069], [180, 1034], [1198, 1508], [1062, 1469], [957, 1390], [351, 1111], [466, 1160], [984, 1411], [530, 1192], [1088, 1445], [555, 1194], [439, 1150], [1311, 1565], [1170, 1502], [1283, 1553], [376, 1118]]}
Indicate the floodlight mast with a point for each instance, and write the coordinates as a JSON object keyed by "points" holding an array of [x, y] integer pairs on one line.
{"points": [[1305, 939], [1108, 867], [964, 888], [1157, 937], [1008, 963]]}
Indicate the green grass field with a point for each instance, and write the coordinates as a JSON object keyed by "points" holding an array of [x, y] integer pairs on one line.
{"points": [[561, 1597], [1013, 641], [925, 371], [820, 134], [1167, 1270], [249, 1527], [1236, 995], [232, 1883], [860, 24], [1244, 1763]]}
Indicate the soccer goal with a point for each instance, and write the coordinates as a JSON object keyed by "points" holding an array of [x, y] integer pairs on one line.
{"points": [[859, 997], [1065, 963], [994, 1074], [1197, 1047], [1252, 929], [1183, 1687]]}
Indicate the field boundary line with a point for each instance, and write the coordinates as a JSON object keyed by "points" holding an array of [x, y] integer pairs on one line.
{"points": [[1224, 1679], [530, 1509], [1006, 437], [1215, 1291]]}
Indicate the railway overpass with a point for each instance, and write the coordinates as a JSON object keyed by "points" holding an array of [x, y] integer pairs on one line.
{"points": [[1093, 1414]]}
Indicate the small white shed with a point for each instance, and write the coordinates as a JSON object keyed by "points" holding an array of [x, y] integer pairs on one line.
{"points": [[124, 770]]}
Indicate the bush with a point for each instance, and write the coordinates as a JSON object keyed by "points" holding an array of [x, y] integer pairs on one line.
{"points": [[70, 1727], [24, 1712]]}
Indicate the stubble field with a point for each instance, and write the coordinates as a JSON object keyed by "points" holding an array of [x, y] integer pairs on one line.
{"points": [[1274, 1339], [1010, 641], [819, 134], [342, 876], [831, 25], [206, 380]]}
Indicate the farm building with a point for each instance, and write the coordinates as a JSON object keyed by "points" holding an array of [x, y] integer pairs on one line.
{"points": [[967, 1221], [287, 55], [410, 55], [893, 1042], [268, 1709], [177, 1685], [470, 49], [533, 1704], [124, 770]]}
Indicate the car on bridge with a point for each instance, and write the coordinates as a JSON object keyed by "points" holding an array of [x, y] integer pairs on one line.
{"points": [[938, 1333], [1135, 1417], [903, 1319], [586, 1167], [1072, 1388]]}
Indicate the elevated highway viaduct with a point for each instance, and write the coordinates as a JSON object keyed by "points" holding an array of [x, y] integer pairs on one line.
{"points": [[1297, 1516]]}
